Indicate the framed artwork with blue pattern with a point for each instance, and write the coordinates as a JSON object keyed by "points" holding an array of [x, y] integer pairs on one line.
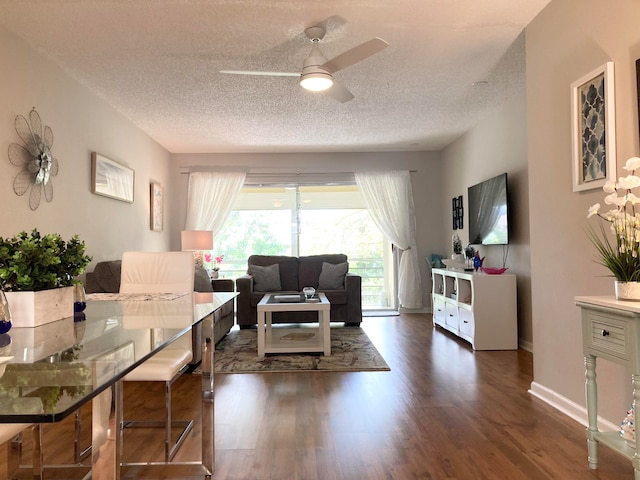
{"points": [[593, 129]]}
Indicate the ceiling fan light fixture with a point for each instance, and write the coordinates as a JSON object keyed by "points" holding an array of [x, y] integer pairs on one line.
{"points": [[316, 82]]}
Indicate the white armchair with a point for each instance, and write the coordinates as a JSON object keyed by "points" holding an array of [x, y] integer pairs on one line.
{"points": [[161, 272]]}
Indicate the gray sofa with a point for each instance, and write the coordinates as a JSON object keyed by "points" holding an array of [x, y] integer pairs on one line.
{"points": [[105, 278], [295, 273]]}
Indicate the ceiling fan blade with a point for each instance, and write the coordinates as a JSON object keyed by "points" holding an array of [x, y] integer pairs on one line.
{"points": [[355, 55], [339, 92], [267, 74]]}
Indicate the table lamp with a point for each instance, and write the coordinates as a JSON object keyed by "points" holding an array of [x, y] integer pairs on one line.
{"points": [[197, 241]]}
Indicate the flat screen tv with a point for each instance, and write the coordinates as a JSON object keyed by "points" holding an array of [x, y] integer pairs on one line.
{"points": [[489, 212]]}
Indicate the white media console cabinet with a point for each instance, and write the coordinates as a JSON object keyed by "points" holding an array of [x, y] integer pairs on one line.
{"points": [[479, 308]]}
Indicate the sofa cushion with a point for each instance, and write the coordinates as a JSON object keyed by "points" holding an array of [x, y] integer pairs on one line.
{"points": [[105, 277], [288, 269], [332, 276], [266, 279], [311, 266]]}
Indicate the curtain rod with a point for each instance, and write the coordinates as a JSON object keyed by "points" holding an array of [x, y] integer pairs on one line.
{"points": [[197, 169]]}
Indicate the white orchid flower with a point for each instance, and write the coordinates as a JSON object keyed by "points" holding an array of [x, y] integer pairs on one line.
{"points": [[632, 164], [609, 187], [629, 182], [593, 210], [613, 199], [631, 198], [610, 216]]}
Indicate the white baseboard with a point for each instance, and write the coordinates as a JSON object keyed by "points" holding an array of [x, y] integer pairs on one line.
{"points": [[525, 345], [568, 407]]}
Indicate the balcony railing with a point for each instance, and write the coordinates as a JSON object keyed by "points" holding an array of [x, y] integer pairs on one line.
{"points": [[374, 293]]}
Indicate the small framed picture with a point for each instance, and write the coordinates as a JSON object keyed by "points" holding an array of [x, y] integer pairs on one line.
{"points": [[457, 212], [593, 129], [111, 179], [157, 207]]}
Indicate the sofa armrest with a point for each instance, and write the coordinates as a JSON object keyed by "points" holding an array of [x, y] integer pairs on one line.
{"points": [[353, 286], [222, 285], [244, 287]]}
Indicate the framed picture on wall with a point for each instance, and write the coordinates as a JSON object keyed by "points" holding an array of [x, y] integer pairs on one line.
{"points": [[157, 207], [111, 179], [457, 212], [593, 129], [638, 89]]}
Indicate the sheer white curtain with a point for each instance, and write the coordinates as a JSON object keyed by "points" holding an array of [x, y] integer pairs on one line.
{"points": [[390, 202], [210, 198]]}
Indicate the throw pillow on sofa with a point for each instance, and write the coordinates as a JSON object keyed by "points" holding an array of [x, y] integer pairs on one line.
{"points": [[266, 279], [332, 276]]}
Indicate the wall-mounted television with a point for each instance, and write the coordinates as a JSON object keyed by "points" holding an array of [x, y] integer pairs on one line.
{"points": [[489, 212]]}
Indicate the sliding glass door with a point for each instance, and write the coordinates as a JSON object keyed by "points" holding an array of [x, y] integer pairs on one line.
{"points": [[308, 220]]}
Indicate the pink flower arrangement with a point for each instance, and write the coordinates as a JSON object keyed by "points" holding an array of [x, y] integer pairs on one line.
{"points": [[209, 259]]}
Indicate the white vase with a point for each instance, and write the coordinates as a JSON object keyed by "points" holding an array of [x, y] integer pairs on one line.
{"points": [[458, 257], [214, 274], [30, 309], [627, 290]]}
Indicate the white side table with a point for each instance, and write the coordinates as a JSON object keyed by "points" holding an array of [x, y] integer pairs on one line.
{"points": [[293, 340], [610, 330]]}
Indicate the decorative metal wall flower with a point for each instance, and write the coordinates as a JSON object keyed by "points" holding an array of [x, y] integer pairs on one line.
{"points": [[35, 158]]}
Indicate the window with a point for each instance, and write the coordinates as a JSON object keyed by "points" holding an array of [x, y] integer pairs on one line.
{"points": [[308, 220]]}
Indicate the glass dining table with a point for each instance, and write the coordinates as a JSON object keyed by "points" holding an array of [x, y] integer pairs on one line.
{"points": [[48, 372]]}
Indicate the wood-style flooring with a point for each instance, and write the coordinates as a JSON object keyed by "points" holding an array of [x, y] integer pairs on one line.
{"points": [[442, 412]]}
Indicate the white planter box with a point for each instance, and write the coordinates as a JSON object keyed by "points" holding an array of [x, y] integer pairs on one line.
{"points": [[45, 340], [30, 309]]}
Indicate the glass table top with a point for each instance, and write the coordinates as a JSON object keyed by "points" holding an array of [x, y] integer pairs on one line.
{"points": [[47, 372]]}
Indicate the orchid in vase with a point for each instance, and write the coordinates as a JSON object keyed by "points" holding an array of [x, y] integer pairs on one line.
{"points": [[621, 257], [216, 262]]}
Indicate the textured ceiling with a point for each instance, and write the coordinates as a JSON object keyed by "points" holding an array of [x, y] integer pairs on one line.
{"points": [[158, 62]]}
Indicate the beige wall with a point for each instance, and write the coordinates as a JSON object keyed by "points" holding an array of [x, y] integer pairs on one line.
{"points": [[81, 123], [497, 145], [567, 40], [425, 185]]}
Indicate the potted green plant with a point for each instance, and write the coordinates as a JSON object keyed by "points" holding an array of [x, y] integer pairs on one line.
{"points": [[37, 274], [619, 249]]}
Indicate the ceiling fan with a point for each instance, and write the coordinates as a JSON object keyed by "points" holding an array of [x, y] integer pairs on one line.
{"points": [[317, 71]]}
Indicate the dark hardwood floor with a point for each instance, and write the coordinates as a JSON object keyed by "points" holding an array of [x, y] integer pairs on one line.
{"points": [[442, 412]]}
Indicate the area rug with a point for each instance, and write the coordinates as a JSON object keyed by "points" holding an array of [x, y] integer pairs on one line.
{"points": [[351, 351]]}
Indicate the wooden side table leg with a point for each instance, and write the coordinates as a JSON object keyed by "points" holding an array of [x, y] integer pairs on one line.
{"points": [[592, 410]]}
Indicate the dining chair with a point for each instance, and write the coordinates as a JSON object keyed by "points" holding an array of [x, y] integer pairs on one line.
{"points": [[11, 434], [161, 272]]}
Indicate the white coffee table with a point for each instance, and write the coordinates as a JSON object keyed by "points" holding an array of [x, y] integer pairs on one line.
{"points": [[296, 339]]}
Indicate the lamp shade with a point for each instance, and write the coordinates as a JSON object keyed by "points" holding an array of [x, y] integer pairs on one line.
{"points": [[197, 240]]}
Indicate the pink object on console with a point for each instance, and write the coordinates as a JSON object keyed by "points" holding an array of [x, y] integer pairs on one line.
{"points": [[493, 270]]}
